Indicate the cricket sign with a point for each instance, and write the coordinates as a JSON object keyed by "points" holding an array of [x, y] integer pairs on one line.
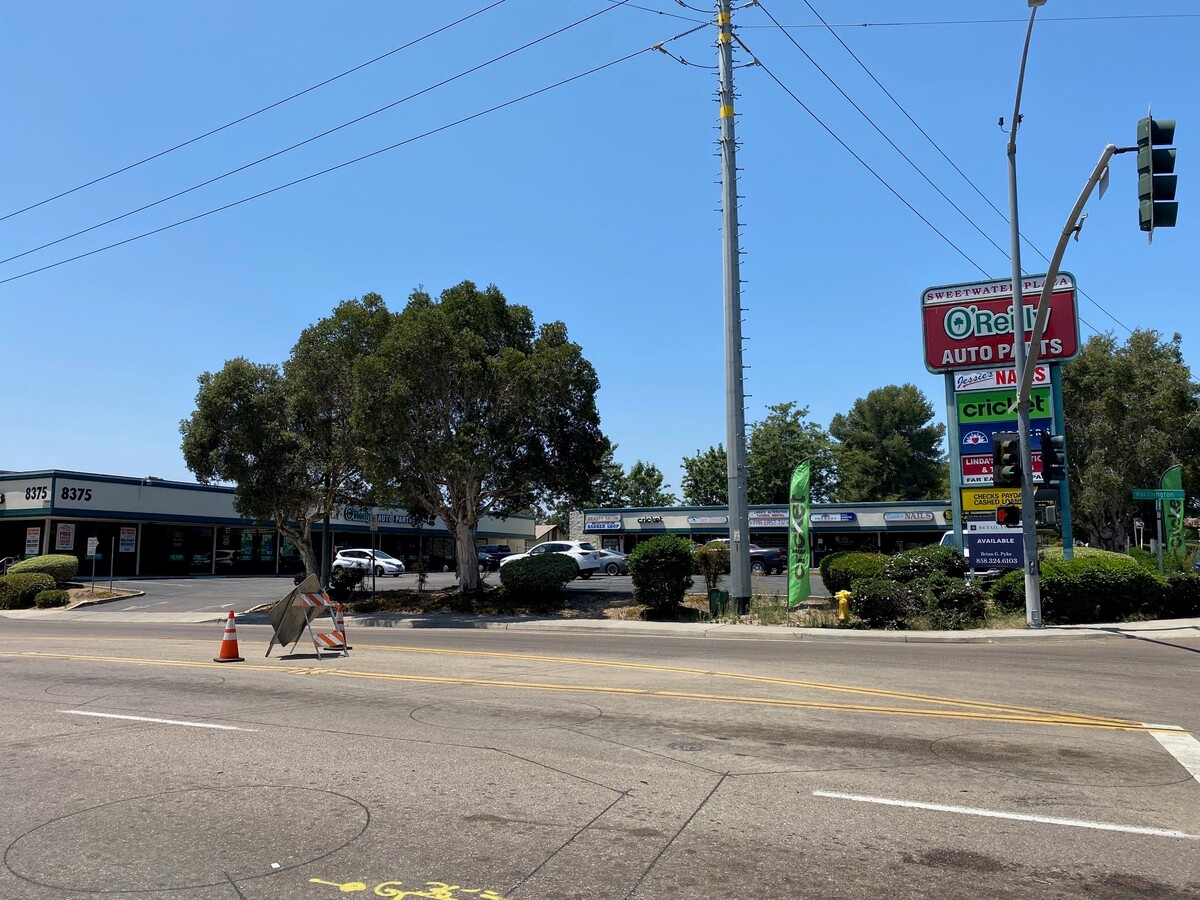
{"points": [[969, 326]]}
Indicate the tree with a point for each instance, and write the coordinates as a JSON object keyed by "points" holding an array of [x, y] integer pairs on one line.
{"points": [[778, 444], [888, 447], [1132, 411], [467, 411], [243, 431], [706, 478], [283, 437], [644, 486]]}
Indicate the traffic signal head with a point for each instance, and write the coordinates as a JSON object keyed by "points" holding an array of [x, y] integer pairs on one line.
{"points": [[1156, 185], [1054, 457], [1008, 515], [1006, 459]]}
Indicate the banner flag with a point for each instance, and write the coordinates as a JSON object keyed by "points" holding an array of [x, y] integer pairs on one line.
{"points": [[799, 581], [1173, 541]]}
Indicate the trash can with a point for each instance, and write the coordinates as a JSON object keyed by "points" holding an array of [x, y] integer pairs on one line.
{"points": [[718, 602]]}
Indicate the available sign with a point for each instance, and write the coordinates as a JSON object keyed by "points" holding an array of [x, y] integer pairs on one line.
{"points": [[991, 379], [992, 546], [969, 326]]}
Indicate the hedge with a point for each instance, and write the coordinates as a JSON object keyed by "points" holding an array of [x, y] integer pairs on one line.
{"points": [[62, 567], [882, 603], [922, 562], [951, 603], [18, 591], [827, 561], [1181, 596], [845, 568], [51, 598], [1093, 588], [661, 570], [537, 580]]}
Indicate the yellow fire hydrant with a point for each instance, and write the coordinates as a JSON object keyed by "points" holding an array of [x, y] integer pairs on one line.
{"points": [[843, 600]]}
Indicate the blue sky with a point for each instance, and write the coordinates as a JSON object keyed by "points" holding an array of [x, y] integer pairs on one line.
{"points": [[594, 203]]}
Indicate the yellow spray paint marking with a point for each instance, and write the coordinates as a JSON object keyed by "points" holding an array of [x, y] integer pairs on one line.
{"points": [[434, 890], [1051, 719]]}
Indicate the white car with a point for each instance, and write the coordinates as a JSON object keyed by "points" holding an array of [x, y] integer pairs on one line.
{"points": [[368, 560], [584, 554]]}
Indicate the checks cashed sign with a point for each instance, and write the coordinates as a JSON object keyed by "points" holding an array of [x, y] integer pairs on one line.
{"points": [[969, 326]]}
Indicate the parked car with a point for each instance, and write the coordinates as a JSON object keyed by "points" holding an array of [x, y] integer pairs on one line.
{"points": [[614, 563], [368, 560], [490, 555], [583, 552], [763, 560]]}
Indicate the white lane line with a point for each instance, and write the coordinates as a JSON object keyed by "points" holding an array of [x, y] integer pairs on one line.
{"points": [[1020, 817], [1184, 747], [84, 712]]}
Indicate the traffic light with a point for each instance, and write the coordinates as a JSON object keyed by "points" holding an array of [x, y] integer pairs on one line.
{"points": [[1006, 459], [1156, 184], [1008, 515], [1054, 457]]}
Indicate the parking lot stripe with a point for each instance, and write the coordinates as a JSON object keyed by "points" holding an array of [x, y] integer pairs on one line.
{"points": [[1020, 817], [85, 712], [1182, 746]]}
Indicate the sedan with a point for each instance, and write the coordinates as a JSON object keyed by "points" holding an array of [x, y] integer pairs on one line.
{"points": [[614, 563]]}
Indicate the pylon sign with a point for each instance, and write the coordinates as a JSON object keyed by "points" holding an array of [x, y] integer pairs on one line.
{"points": [[969, 326]]}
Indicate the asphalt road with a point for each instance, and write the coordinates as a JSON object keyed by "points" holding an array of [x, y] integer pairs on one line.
{"points": [[483, 764]]}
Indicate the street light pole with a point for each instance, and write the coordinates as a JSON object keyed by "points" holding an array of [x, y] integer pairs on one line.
{"points": [[1033, 597]]}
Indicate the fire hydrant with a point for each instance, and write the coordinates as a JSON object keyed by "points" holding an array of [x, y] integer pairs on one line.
{"points": [[843, 608]]}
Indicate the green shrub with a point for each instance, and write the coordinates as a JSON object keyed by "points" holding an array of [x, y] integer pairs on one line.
{"points": [[18, 591], [661, 570], [845, 568], [712, 563], [922, 562], [882, 603], [47, 599], [1145, 558], [1008, 592], [538, 581], [951, 603], [1097, 589], [343, 582], [827, 561], [59, 566], [1181, 597]]}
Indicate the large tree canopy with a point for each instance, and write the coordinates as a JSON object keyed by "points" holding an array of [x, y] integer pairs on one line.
{"points": [[467, 410], [644, 486], [1132, 412], [889, 448], [706, 477], [778, 444]]}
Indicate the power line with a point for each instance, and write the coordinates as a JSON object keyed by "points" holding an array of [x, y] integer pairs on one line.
{"points": [[918, 23], [935, 145], [882, 134], [314, 137], [861, 161], [358, 159], [244, 118]]}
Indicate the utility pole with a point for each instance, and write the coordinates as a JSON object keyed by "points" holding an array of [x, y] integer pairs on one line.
{"points": [[1033, 597], [735, 413]]}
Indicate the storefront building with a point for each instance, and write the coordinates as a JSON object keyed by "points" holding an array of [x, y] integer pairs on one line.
{"points": [[879, 527], [150, 526]]}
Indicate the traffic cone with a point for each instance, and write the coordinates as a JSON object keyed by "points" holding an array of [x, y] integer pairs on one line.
{"points": [[229, 647]]}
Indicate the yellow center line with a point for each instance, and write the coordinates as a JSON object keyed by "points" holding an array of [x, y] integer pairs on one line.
{"points": [[597, 689]]}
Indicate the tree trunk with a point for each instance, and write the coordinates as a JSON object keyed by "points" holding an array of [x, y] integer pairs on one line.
{"points": [[326, 548], [467, 558], [303, 541]]}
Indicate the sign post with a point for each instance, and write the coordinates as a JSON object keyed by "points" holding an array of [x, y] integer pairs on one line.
{"points": [[92, 545]]}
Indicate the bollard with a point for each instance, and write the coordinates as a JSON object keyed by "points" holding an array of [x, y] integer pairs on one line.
{"points": [[843, 607]]}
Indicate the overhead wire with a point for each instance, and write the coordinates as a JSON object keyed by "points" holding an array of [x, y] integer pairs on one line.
{"points": [[257, 112], [918, 23], [934, 143], [314, 137], [358, 159], [758, 61]]}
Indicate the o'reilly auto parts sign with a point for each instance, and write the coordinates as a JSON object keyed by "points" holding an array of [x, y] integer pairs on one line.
{"points": [[969, 326]]}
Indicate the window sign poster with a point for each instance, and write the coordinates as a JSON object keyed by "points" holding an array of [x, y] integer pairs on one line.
{"points": [[65, 538], [33, 541], [128, 540], [266, 547]]}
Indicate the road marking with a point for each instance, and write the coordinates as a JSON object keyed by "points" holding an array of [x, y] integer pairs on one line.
{"points": [[1020, 817], [84, 712], [1182, 746]]}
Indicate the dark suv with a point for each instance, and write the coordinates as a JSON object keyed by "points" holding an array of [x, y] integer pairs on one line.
{"points": [[490, 556], [763, 560]]}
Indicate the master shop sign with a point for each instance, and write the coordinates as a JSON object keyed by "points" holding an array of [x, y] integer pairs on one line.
{"points": [[969, 326]]}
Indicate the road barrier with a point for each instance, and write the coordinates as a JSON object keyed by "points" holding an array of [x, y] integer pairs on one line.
{"points": [[293, 617]]}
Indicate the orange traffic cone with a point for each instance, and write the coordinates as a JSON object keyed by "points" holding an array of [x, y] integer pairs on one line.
{"points": [[229, 647]]}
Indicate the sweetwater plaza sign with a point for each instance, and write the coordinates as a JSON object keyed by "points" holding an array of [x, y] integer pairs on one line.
{"points": [[969, 326]]}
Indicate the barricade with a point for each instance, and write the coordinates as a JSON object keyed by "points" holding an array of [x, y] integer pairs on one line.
{"points": [[294, 615]]}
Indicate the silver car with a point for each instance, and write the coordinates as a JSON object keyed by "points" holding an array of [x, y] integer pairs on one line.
{"points": [[369, 560]]}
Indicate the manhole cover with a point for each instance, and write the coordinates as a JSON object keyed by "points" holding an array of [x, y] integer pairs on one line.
{"points": [[192, 838], [687, 748], [503, 715]]}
